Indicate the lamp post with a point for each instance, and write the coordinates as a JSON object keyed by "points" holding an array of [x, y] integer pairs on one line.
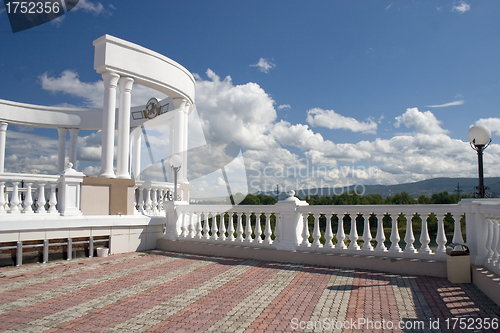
{"points": [[479, 138], [175, 162]]}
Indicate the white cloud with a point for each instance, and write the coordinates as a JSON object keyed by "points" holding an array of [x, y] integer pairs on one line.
{"points": [[333, 120], [461, 8], [264, 65], [90, 7], [69, 83], [424, 122], [446, 104], [284, 106], [243, 113], [493, 124]]}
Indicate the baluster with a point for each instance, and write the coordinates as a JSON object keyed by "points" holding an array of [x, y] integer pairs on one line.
{"points": [[258, 230], [457, 233], [328, 232], [154, 204], [184, 231], [191, 225], [441, 236], [248, 228], [305, 230], [141, 203], [222, 228], [340, 234], [6, 198], [353, 235], [490, 230], [2, 197], [53, 198], [198, 225], [495, 244], [424, 238], [206, 226], [230, 229], [367, 234], [380, 238], [394, 234], [28, 200], [267, 230], [316, 232], [161, 202], [409, 237], [496, 262], [214, 227], [149, 203], [239, 227], [136, 204], [14, 200], [41, 198]]}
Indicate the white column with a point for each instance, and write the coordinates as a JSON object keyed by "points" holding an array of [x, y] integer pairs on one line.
{"points": [[108, 124], [178, 138], [73, 137], [61, 149], [3, 136], [136, 153], [125, 85], [184, 143]]}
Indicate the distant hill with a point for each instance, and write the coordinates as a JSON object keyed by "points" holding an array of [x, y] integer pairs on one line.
{"points": [[428, 187]]}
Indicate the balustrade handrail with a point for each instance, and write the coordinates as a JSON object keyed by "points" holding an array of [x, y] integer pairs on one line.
{"points": [[27, 177], [227, 208], [383, 209]]}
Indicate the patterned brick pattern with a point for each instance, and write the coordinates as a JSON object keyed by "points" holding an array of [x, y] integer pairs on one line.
{"points": [[171, 292]]}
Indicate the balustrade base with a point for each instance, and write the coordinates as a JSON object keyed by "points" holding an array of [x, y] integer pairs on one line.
{"points": [[487, 281], [358, 261]]}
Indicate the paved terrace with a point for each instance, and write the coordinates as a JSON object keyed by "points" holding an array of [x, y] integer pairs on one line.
{"points": [[172, 292]]}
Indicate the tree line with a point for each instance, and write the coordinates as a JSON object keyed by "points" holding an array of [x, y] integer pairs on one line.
{"points": [[355, 198]]}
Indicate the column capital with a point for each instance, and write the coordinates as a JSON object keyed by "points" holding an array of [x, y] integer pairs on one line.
{"points": [[62, 131], [125, 84], [110, 79], [3, 126]]}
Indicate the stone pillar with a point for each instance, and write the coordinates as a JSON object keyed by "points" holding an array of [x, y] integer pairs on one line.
{"points": [[136, 152], [73, 137], [70, 184], [108, 124], [289, 226], [3, 137], [61, 149], [125, 84]]}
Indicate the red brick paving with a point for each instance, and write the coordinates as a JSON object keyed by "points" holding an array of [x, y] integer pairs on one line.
{"points": [[372, 296]]}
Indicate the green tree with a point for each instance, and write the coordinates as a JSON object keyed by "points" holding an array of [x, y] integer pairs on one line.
{"points": [[424, 200]]}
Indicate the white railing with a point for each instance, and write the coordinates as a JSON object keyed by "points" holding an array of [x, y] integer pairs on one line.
{"points": [[28, 193], [291, 228], [250, 225], [150, 196], [381, 217]]}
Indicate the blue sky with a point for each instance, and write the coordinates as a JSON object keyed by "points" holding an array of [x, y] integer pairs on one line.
{"points": [[332, 85]]}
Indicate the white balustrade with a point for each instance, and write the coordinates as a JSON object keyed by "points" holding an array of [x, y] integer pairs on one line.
{"points": [[231, 225], [151, 197], [26, 193]]}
